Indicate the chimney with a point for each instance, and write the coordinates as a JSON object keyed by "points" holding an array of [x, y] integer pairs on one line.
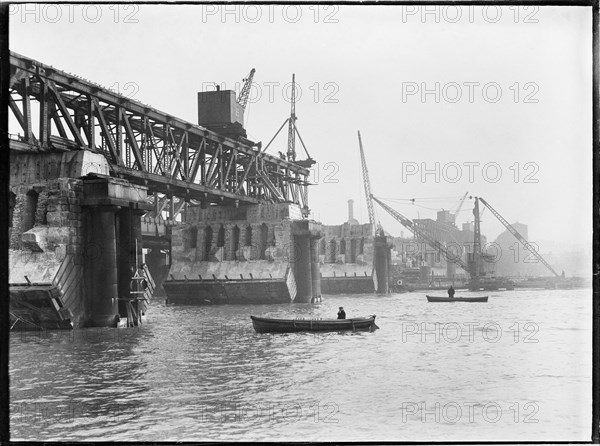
{"points": [[350, 209]]}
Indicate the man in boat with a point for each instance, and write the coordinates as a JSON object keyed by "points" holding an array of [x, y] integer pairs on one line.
{"points": [[341, 313], [451, 292]]}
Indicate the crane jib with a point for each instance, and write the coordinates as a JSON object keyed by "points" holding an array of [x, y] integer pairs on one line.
{"points": [[519, 237], [416, 231], [367, 184]]}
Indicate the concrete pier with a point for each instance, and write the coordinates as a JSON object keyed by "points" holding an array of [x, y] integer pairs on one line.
{"points": [[102, 285], [113, 209], [382, 262], [315, 268], [303, 268]]}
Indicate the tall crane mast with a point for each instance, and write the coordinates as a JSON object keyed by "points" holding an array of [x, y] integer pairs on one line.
{"points": [[518, 236], [291, 151], [292, 132], [477, 266], [419, 233], [367, 184], [242, 99]]}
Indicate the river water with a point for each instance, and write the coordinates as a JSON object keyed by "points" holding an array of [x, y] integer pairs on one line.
{"points": [[515, 368]]}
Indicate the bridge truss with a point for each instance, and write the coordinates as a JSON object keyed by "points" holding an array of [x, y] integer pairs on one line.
{"points": [[178, 161]]}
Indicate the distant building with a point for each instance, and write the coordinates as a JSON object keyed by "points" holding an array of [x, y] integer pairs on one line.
{"points": [[346, 256], [445, 217], [349, 242], [514, 260], [417, 253]]}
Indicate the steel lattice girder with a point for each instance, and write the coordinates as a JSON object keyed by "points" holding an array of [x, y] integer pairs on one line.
{"points": [[146, 146]]}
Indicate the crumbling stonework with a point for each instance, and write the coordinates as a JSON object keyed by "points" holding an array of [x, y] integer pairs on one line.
{"points": [[52, 246], [57, 218], [265, 249], [346, 254], [261, 232], [53, 234], [346, 244]]}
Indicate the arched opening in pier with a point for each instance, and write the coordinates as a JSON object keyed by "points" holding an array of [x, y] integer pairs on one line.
{"points": [[193, 237], [12, 201], [248, 241], [221, 237], [343, 246], [31, 202], [208, 235], [235, 241], [264, 233], [352, 251], [361, 249], [332, 251], [322, 247]]}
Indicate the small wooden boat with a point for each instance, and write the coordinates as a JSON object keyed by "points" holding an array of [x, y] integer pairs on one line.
{"points": [[456, 299], [267, 325]]}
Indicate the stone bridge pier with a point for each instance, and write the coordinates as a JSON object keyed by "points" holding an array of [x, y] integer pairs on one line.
{"points": [[113, 238], [306, 235], [252, 254], [383, 262], [75, 257]]}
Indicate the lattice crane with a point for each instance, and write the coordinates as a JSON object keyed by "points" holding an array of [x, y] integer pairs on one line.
{"points": [[419, 233], [477, 266], [291, 151], [367, 184], [292, 132], [242, 99], [518, 236]]}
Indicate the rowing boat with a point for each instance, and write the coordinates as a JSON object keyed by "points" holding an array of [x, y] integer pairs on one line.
{"points": [[456, 299], [268, 325]]}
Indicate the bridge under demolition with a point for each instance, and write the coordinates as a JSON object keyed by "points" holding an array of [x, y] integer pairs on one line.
{"points": [[108, 195]]}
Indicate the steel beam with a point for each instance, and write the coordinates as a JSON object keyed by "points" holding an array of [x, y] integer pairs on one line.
{"points": [[146, 145]]}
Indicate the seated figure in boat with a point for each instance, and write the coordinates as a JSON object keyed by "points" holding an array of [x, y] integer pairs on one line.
{"points": [[341, 313], [451, 292]]}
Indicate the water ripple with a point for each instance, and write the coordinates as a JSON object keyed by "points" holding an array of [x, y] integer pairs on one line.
{"points": [[203, 374]]}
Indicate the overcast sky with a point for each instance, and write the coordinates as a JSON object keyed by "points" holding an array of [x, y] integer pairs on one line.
{"points": [[514, 87]]}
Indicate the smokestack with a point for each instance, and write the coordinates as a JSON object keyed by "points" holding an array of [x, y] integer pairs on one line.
{"points": [[350, 210]]}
